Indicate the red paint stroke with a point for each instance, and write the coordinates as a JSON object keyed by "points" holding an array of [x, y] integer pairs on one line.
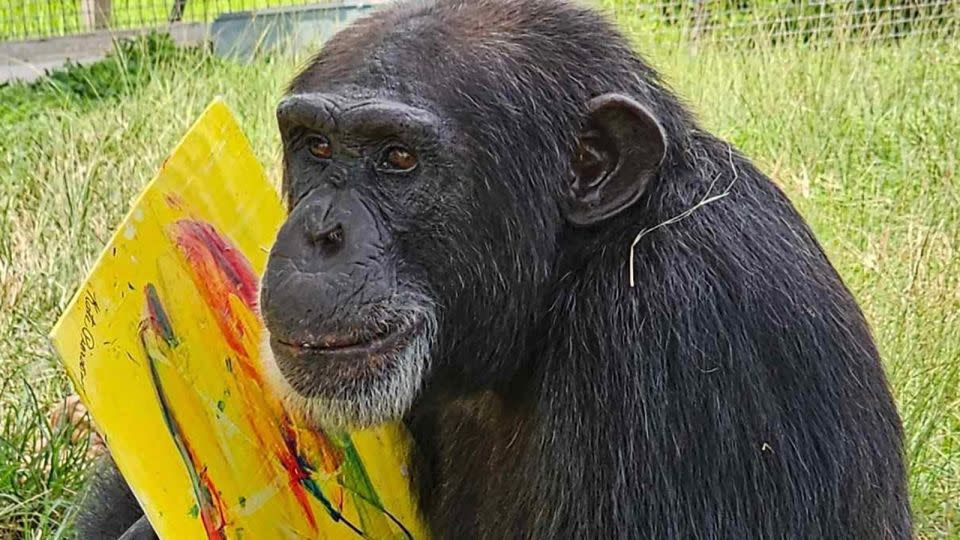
{"points": [[214, 525], [331, 457], [219, 271], [173, 200], [297, 474]]}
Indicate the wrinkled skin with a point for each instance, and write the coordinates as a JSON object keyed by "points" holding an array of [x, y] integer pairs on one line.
{"points": [[465, 182]]}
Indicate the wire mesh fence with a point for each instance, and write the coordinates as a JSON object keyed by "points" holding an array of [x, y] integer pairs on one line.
{"points": [[25, 19], [776, 20], [687, 19]]}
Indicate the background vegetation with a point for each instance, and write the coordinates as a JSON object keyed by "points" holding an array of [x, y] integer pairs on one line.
{"points": [[861, 135]]}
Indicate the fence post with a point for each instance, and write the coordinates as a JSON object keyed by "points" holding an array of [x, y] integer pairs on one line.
{"points": [[176, 12], [96, 14], [699, 18]]}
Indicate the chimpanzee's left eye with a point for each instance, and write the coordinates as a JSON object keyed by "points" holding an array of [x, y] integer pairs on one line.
{"points": [[398, 159]]}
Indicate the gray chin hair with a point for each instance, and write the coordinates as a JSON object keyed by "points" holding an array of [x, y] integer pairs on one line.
{"points": [[383, 399]]}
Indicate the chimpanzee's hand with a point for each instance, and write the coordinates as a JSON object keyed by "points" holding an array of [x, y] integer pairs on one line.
{"points": [[141, 530]]}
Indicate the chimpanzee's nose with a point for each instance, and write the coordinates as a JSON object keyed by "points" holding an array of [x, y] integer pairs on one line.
{"points": [[322, 229], [331, 253]]}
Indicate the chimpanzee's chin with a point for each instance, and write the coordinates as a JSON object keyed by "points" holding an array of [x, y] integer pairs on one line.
{"points": [[355, 381]]}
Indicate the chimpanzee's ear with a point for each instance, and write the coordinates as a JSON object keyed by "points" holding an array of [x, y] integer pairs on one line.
{"points": [[618, 154]]}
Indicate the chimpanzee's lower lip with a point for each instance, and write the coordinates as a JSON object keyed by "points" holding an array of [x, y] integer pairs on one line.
{"points": [[378, 345]]}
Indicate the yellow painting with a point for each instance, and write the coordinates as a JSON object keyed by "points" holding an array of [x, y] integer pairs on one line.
{"points": [[162, 345]]}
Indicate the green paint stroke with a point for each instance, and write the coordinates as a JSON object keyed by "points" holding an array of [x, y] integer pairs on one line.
{"points": [[357, 481]]}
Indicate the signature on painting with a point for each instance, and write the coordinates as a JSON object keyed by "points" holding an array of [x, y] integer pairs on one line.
{"points": [[91, 310]]}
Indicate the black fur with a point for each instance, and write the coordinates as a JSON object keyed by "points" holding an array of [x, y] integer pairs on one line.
{"points": [[108, 508], [733, 392]]}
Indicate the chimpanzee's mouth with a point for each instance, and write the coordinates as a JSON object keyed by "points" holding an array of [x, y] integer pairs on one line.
{"points": [[363, 342], [358, 374]]}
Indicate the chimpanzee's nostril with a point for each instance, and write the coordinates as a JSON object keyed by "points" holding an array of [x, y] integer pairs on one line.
{"points": [[335, 237], [321, 230], [330, 237]]}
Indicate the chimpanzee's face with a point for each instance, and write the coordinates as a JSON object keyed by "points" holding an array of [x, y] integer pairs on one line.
{"points": [[351, 321], [426, 214]]}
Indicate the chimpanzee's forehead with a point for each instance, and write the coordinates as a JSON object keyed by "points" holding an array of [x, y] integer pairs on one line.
{"points": [[401, 53], [365, 74]]}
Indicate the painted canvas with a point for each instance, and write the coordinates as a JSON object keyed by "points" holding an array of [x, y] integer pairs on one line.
{"points": [[161, 343]]}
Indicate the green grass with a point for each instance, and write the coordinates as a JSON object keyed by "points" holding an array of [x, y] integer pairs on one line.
{"points": [[863, 137]]}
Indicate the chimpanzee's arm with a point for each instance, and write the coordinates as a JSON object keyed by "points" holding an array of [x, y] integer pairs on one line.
{"points": [[108, 510]]}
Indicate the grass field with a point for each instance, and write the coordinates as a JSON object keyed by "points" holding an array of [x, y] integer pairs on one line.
{"points": [[864, 139]]}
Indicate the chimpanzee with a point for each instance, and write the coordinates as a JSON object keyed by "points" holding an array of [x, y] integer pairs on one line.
{"points": [[597, 319]]}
